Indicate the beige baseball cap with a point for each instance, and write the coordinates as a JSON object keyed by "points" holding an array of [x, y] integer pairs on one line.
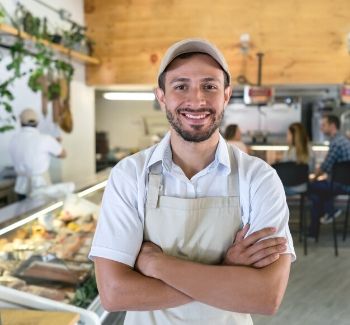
{"points": [[28, 115], [192, 45]]}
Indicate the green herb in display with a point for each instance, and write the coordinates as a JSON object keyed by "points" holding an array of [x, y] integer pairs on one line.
{"points": [[86, 293]]}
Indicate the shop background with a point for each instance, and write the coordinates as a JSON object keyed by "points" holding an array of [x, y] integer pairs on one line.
{"points": [[79, 144]]}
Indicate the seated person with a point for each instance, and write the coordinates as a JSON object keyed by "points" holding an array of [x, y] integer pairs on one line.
{"points": [[299, 146], [233, 136], [299, 151], [321, 192]]}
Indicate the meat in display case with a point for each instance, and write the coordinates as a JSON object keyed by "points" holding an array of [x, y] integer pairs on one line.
{"points": [[44, 258]]}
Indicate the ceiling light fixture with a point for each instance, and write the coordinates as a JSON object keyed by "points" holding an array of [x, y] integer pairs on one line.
{"points": [[129, 96]]}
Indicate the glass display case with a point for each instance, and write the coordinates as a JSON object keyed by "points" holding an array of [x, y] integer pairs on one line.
{"points": [[43, 257]]}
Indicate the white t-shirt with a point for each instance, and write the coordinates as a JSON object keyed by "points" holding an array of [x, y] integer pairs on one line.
{"points": [[31, 151], [119, 232]]}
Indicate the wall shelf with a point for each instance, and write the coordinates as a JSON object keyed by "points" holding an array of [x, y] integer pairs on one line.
{"points": [[7, 29]]}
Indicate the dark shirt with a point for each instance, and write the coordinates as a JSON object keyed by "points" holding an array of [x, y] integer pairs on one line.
{"points": [[339, 150]]}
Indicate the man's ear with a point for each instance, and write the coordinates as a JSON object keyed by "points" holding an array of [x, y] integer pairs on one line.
{"points": [[227, 95], [159, 92]]}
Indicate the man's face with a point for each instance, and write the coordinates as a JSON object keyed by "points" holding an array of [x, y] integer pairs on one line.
{"points": [[325, 127], [194, 97]]}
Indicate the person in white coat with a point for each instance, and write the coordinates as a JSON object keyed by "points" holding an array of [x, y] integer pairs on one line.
{"points": [[31, 152], [192, 230]]}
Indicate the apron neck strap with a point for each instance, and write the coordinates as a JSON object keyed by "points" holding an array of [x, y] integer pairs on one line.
{"points": [[154, 185], [233, 180]]}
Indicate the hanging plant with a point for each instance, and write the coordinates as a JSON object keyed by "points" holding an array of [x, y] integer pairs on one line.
{"points": [[6, 97], [17, 52], [49, 75], [34, 80]]}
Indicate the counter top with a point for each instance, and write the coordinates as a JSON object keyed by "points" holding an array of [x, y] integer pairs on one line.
{"points": [[21, 209], [282, 147], [37, 317]]}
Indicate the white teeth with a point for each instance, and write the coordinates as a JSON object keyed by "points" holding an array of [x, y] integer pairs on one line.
{"points": [[196, 117]]}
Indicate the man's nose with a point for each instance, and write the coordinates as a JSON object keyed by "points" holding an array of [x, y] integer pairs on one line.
{"points": [[196, 98]]}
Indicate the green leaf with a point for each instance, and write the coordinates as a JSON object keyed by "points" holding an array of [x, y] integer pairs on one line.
{"points": [[6, 93], [7, 106], [34, 80], [54, 91], [6, 128]]}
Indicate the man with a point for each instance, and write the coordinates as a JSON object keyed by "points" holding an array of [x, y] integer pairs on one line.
{"points": [[321, 193], [31, 152], [167, 247]]}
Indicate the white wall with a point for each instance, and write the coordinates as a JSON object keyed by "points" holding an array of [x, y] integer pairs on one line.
{"points": [[124, 121], [273, 119], [80, 144]]}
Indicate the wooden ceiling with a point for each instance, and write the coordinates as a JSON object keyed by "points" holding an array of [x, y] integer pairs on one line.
{"points": [[303, 41]]}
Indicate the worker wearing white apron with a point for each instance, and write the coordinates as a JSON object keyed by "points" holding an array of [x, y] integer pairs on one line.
{"points": [[186, 199], [31, 152]]}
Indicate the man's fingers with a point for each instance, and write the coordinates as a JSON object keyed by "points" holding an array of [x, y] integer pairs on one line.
{"points": [[263, 253], [260, 234], [265, 243], [267, 261], [241, 234]]}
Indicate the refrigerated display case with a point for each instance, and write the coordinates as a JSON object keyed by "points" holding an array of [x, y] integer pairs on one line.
{"points": [[43, 257]]}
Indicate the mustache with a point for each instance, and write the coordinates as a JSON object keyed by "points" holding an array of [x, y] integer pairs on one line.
{"points": [[191, 110]]}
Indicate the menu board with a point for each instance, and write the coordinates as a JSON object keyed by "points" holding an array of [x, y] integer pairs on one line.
{"points": [[257, 95]]}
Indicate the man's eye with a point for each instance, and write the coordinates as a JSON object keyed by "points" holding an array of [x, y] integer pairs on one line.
{"points": [[180, 87], [210, 87]]}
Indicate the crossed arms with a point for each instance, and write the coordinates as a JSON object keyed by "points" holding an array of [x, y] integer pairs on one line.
{"points": [[252, 278]]}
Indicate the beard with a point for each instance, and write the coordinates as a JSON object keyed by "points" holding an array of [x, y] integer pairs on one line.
{"points": [[198, 133]]}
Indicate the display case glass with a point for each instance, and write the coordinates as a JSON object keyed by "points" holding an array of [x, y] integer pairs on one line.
{"points": [[44, 256]]}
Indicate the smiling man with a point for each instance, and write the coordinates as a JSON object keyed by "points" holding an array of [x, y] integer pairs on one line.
{"points": [[192, 230]]}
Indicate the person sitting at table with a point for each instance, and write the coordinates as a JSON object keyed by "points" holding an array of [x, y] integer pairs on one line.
{"points": [[299, 148], [299, 151], [233, 136], [321, 191]]}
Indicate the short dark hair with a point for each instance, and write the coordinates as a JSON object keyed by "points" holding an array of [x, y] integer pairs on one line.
{"points": [[332, 119], [30, 123], [161, 78]]}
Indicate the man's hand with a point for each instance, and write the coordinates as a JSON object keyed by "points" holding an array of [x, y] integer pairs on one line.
{"points": [[252, 252], [149, 252]]}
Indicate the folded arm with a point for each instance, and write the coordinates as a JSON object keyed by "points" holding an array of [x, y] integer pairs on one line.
{"points": [[122, 288], [235, 288]]}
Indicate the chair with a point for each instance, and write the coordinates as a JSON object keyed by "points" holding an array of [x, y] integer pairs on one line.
{"points": [[341, 176], [296, 176]]}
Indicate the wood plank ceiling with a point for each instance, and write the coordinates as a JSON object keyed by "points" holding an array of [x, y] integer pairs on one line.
{"points": [[304, 41]]}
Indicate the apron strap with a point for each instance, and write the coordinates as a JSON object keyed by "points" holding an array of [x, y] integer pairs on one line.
{"points": [[154, 185], [155, 180], [233, 179]]}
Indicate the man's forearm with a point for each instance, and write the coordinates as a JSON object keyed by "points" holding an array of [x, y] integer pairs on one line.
{"points": [[122, 288], [235, 288]]}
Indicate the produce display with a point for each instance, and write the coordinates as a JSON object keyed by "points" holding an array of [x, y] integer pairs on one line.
{"points": [[49, 257]]}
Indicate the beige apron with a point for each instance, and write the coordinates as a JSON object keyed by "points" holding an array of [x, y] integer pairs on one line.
{"points": [[199, 230]]}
